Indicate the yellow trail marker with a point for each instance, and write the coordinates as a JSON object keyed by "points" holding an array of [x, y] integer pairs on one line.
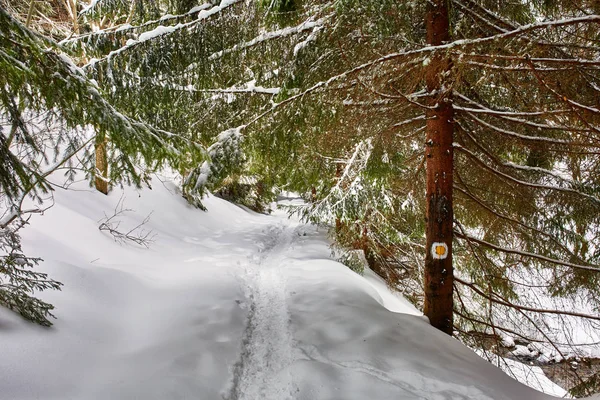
{"points": [[439, 250]]}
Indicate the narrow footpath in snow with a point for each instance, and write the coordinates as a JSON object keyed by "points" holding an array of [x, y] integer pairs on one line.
{"points": [[266, 355]]}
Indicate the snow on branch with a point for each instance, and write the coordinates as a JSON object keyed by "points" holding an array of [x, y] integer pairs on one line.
{"points": [[562, 97], [501, 113], [249, 87], [518, 135], [485, 110], [473, 287], [489, 15], [513, 68], [162, 31], [77, 100], [307, 25], [348, 185], [224, 157], [320, 85], [281, 33], [430, 49], [477, 15], [501, 24], [472, 42], [311, 38], [93, 4], [523, 30], [466, 192], [128, 27], [479, 161], [525, 60]]}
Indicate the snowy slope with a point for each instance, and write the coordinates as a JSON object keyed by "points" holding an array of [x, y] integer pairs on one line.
{"points": [[226, 304]]}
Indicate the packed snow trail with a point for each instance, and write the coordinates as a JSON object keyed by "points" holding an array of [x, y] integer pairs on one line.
{"points": [[262, 372]]}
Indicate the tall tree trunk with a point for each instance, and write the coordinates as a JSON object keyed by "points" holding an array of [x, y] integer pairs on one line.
{"points": [[439, 276], [101, 167]]}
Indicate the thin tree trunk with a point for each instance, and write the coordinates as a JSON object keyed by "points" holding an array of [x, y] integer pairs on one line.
{"points": [[30, 13], [73, 11], [71, 6], [339, 168], [438, 280], [131, 11], [101, 167]]}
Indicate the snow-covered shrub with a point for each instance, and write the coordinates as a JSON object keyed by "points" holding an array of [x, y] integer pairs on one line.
{"points": [[354, 259]]}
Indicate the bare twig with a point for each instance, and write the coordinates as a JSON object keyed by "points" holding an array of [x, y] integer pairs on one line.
{"points": [[138, 234]]}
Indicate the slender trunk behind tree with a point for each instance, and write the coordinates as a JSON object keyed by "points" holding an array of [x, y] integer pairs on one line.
{"points": [[438, 280], [30, 13], [101, 167], [72, 6], [131, 11]]}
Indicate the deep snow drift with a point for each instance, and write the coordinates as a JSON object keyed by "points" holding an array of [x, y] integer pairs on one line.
{"points": [[225, 304]]}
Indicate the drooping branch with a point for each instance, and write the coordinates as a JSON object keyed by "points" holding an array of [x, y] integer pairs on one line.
{"points": [[127, 27], [506, 303], [482, 163], [525, 254], [18, 211], [164, 31]]}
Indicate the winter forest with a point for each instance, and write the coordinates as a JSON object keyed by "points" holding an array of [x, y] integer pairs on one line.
{"points": [[299, 199]]}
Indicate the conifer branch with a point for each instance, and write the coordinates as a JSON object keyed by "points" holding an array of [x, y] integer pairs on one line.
{"points": [[525, 254], [480, 162], [164, 31], [506, 303], [126, 27]]}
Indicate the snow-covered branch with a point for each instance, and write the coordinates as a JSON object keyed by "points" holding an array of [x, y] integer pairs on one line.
{"points": [[516, 135], [162, 31], [466, 192], [482, 163], [524, 253], [486, 110], [496, 300], [524, 60], [308, 25], [127, 27], [249, 87]]}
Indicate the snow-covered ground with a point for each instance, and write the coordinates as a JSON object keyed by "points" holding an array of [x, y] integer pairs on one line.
{"points": [[225, 304]]}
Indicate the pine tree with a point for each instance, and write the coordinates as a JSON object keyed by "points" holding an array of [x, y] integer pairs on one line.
{"points": [[523, 209]]}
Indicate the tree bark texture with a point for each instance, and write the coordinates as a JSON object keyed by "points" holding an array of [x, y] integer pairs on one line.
{"points": [[101, 181], [438, 280]]}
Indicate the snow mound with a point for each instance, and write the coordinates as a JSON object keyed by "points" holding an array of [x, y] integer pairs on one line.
{"points": [[225, 304]]}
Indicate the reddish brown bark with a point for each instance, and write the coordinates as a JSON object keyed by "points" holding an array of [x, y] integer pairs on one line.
{"points": [[438, 280]]}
